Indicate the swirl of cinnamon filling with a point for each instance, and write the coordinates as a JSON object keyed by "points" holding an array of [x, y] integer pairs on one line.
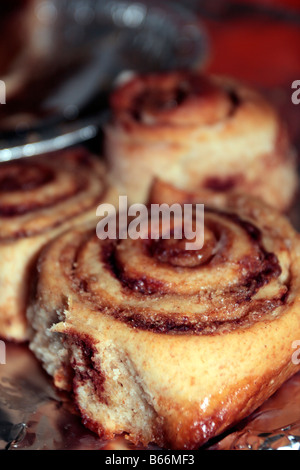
{"points": [[155, 340], [179, 99], [39, 198], [198, 131], [234, 279], [38, 194]]}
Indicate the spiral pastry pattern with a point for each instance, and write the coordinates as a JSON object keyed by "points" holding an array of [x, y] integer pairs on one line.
{"points": [[197, 131], [165, 344], [39, 198]]}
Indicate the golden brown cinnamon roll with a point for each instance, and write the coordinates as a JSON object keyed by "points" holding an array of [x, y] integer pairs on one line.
{"points": [[198, 131], [168, 345], [39, 198]]}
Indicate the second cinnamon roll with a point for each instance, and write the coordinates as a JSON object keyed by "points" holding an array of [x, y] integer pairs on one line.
{"points": [[198, 131], [41, 197]]}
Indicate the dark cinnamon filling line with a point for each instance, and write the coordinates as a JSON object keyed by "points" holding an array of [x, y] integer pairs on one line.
{"points": [[223, 184], [169, 322], [159, 99], [234, 98], [173, 252], [144, 285], [24, 208], [21, 233], [270, 267], [164, 251], [22, 177], [164, 323]]}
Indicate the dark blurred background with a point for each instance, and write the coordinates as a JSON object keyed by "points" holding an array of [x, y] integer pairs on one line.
{"points": [[59, 58], [257, 41]]}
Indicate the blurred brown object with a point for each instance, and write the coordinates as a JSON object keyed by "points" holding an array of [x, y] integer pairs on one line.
{"points": [[13, 31], [25, 39]]}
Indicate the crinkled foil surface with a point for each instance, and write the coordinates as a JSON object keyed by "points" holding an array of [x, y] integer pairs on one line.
{"points": [[35, 416]]}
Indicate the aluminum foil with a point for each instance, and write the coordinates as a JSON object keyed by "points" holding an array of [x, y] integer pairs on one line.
{"points": [[35, 416]]}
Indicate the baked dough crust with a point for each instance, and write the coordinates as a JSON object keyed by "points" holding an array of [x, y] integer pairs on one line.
{"points": [[165, 346], [40, 197], [197, 131]]}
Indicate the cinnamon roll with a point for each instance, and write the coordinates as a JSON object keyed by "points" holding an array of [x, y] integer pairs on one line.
{"points": [[198, 131], [165, 344], [39, 198]]}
